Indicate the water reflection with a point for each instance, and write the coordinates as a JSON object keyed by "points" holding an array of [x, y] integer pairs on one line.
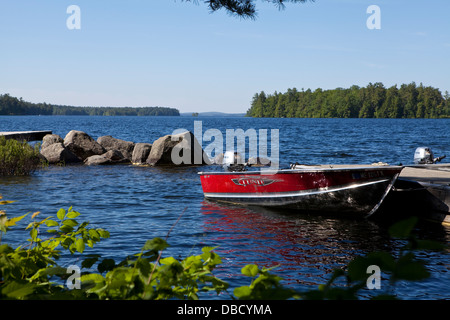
{"points": [[306, 248]]}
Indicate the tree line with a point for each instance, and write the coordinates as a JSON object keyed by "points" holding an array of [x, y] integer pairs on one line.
{"points": [[372, 101], [17, 106]]}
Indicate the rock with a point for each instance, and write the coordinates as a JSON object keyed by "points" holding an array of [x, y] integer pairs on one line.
{"points": [[141, 152], [96, 160], [50, 139], [179, 149], [82, 145], [57, 153], [259, 162], [109, 157], [110, 143]]}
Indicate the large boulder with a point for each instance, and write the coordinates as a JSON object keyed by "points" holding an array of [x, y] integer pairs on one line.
{"points": [[179, 149], [50, 139], [110, 143], [57, 153], [109, 157], [82, 145], [141, 152]]}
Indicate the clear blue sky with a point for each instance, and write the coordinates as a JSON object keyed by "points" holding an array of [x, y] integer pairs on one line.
{"points": [[177, 54]]}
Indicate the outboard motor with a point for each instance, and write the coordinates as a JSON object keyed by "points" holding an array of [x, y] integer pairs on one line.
{"points": [[233, 161], [424, 155]]}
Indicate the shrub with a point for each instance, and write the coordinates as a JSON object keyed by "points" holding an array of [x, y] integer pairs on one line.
{"points": [[18, 157]]}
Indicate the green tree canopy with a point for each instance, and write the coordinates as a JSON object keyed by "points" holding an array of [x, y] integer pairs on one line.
{"points": [[372, 101], [13, 106]]}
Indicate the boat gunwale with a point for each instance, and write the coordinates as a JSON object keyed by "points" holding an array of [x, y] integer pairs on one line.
{"points": [[296, 193], [314, 169]]}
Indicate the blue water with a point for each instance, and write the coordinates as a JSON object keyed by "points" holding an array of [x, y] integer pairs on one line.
{"points": [[138, 203]]}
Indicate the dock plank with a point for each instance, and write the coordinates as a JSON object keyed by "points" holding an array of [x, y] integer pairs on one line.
{"points": [[26, 135], [435, 173]]}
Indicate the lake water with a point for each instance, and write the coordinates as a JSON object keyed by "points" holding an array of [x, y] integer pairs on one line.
{"points": [[139, 203]]}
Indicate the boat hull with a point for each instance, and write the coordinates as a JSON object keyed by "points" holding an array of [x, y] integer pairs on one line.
{"points": [[358, 190]]}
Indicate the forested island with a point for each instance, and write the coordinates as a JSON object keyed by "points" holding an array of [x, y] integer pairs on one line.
{"points": [[13, 106], [372, 101]]}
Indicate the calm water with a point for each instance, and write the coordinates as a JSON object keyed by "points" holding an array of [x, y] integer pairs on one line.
{"points": [[139, 203]]}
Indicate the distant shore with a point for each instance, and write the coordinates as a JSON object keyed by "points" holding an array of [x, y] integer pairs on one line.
{"points": [[211, 114], [15, 107]]}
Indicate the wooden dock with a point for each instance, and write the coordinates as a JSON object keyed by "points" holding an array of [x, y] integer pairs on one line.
{"points": [[422, 190], [25, 135]]}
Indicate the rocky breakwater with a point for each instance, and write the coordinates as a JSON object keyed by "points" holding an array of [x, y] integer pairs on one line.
{"points": [[79, 147]]}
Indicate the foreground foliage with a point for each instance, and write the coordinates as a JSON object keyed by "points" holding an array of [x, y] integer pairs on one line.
{"points": [[18, 157], [31, 271]]}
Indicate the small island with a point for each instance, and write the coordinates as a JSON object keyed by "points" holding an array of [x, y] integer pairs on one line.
{"points": [[372, 101]]}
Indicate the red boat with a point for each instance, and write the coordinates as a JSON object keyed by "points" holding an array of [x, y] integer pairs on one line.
{"points": [[325, 188]]}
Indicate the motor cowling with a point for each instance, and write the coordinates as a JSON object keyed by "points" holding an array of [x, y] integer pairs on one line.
{"points": [[233, 161], [424, 155]]}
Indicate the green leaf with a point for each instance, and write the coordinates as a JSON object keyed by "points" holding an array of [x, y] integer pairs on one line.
{"points": [[168, 260], [157, 244], [410, 269], [382, 259], [79, 245], [94, 234], [17, 290], [5, 249], [66, 228], [61, 214], [90, 261], [106, 265], [95, 277], [430, 245], [70, 223], [51, 223], [403, 229], [250, 270], [242, 292], [144, 266], [12, 222], [103, 233], [72, 214], [93, 282], [33, 234]]}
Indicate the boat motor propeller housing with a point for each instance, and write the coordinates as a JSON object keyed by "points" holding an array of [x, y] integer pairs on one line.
{"points": [[424, 155], [233, 161]]}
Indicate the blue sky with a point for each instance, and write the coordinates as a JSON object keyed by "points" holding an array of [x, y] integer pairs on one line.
{"points": [[177, 54]]}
